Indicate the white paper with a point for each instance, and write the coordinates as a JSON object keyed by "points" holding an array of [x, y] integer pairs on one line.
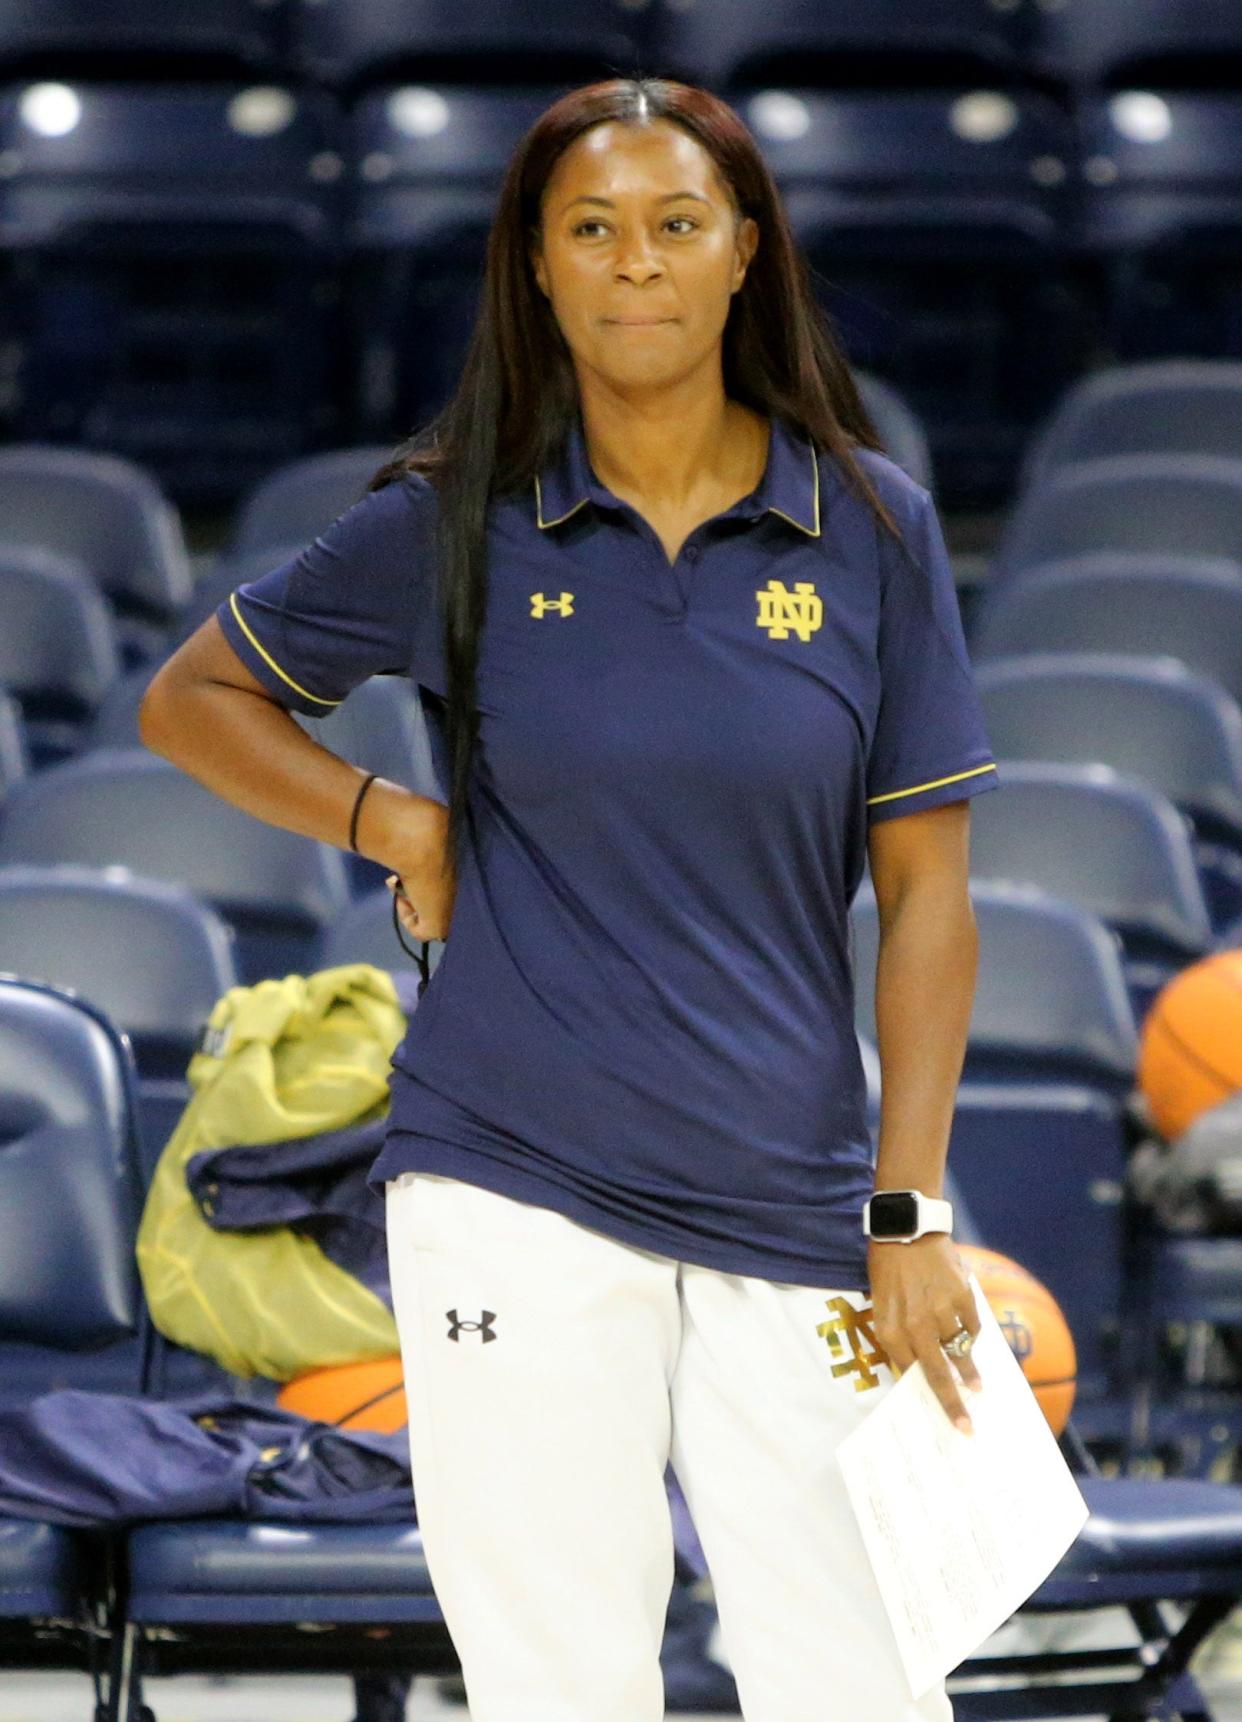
{"points": [[960, 1529]]}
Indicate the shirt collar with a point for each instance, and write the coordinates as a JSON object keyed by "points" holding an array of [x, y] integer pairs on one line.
{"points": [[789, 487]]}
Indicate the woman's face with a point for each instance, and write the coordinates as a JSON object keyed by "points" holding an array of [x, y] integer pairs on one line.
{"points": [[640, 252]]}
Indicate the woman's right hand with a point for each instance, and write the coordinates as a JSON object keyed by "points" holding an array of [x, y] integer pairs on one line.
{"points": [[429, 917], [409, 833]]}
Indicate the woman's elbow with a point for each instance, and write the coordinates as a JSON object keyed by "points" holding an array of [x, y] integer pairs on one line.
{"points": [[161, 712]]}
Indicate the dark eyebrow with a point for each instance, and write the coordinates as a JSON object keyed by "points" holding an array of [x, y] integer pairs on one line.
{"points": [[607, 202]]}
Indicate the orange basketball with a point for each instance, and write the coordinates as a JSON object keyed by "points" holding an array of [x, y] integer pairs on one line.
{"points": [[1031, 1320], [1190, 1046], [353, 1395]]}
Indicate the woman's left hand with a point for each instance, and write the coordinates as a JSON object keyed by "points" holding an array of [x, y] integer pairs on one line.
{"points": [[919, 1297]]}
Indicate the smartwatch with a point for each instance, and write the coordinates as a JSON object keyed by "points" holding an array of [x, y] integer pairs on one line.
{"points": [[900, 1216]]}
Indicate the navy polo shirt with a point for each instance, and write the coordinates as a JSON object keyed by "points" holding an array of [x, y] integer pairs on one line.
{"points": [[643, 1013]]}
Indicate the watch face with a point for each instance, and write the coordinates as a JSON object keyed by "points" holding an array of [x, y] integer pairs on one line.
{"points": [[894, 1214]]}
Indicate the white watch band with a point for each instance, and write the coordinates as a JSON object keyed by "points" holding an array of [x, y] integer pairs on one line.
{"points": [[935, 1214]]}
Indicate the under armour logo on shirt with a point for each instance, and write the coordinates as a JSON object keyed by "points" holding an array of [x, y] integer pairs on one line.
{"points": [[539, 605], [484, 1326]]}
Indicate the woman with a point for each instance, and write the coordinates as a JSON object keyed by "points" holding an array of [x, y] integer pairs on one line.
{"points": [[702, 655]]}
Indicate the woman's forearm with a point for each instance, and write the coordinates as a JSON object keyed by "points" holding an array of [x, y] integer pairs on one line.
{"points": [[247, 749], [925, 981]]}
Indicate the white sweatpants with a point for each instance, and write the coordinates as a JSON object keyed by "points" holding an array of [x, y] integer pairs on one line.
{"points": [[552, 1373]]}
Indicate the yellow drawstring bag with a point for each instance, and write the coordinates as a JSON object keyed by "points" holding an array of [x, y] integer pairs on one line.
{"points": [[281, 1059]]}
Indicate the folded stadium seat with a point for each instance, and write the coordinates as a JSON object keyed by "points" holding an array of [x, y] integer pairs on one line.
{"points": [[1144, 44], [878, 42], [194, 230], [899, 427], [1155, 605], [1149, 1543], [110, 518], [1131, 504], [428, 162], [14, 753], [293, 504], [71, 1308], [222, 577], [148, 954], [935, 221], [71, 33], [1159, 217], [1108, 843], [1170, 406], [1162, 723], [58, 647], [349, 42], [137, 810], [1050, 1004], [1040, 1130], [115, 722]]}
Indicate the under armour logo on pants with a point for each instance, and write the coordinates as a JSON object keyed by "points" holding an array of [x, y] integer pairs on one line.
{"points": [[484, 1327]]}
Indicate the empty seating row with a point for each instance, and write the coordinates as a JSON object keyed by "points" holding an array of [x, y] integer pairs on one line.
{"points": [[235, 1594], [260, 271], [714, 41]]}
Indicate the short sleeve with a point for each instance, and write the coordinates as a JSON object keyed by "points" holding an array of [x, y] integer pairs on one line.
{"points": [[344, 608], [930, 745]]}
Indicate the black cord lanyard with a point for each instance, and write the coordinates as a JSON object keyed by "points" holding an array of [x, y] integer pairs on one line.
{"points": [[420, 957]]}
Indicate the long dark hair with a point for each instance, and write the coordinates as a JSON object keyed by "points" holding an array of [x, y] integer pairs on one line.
{"points": [[517, 393]]}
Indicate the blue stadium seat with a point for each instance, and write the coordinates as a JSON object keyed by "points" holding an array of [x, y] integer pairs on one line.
{"points": [[14, 754], [1170, 406], [1151, 717], [1050, 998], [222, 577], [1159, 218], [1149, 1542], [429, 166], [297, 501], [348, 41], [1132, 604], [43, 35], [147, 954], [900, 429], [1042, 1166], [71, 1308], [1135, 504], [1107, 843], [115, 722], [58, 648], [108, 516], [134, 809], [935, 225], [1144, 44], [879, 42], [185, 237]]}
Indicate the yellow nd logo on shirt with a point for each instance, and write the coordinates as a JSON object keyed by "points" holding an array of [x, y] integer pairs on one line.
{"points": [[780, 610]]}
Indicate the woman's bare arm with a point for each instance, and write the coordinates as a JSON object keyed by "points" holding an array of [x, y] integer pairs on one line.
{"points": [[208, 714]]}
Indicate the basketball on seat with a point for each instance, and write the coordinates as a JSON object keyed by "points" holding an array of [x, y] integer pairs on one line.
{"points": [[1190, 1048], [1031, 1320], [368, 1395]]}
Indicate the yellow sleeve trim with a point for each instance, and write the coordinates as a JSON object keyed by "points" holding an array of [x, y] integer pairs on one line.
{"points": [[934, 784], [270, 661]]}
